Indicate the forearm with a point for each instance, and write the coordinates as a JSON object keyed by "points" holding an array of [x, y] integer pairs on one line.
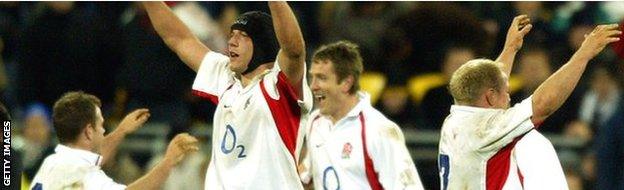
{"points": [[176, 35], [506, 59], [551, 94], [109, 148], [155, 178], [170, 28], [287, 29]]}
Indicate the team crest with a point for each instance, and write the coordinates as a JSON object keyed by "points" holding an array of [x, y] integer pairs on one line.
{"points": [[346, 150]]}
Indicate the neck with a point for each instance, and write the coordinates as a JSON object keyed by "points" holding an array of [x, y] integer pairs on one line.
{"points": [[79, 145], [348, 104], [246, 79]]}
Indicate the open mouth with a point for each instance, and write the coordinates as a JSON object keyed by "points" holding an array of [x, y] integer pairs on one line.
{"points": [[319, 97], [233, 54]]}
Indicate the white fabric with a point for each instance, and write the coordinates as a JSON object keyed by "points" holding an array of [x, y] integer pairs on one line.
{"points": [[538, 163], [470, 136], [247, 149], [340, 147], [70, 168]]}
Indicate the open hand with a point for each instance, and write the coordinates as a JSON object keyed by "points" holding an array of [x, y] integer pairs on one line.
{"points": [[180, 146], [520, 26], [598, 39], [134, 120]]}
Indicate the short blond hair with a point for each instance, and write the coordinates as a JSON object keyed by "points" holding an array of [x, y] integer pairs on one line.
{"points": [[469, 81]]}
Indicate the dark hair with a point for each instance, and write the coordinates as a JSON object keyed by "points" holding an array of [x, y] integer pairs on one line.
{"points": [[346, 59], [72, 112]]}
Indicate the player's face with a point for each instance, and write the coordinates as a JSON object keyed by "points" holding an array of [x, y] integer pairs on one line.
{"points": [[240, 49], [98, 130], [328, 91]]}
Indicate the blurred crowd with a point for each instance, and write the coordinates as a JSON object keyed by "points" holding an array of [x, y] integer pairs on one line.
{"points": [[410, 50]]}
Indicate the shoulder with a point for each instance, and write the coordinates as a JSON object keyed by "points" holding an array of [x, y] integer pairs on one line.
{"points": [[379, 125]]}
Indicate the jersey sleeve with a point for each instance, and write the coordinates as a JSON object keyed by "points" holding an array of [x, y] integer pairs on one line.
{"points": [[500, 127], [213, 77], [391, 159], [276, 81]]}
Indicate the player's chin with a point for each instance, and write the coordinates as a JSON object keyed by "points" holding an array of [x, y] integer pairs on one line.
{"points": [[236, 67], [322, 109]]}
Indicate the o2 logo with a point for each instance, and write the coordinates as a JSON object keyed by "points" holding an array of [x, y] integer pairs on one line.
{"points": [[330, 179], [230, 133]]}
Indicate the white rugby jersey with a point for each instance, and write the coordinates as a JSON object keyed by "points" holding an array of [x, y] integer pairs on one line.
{"points": [[538, 164], [476, 146], [363, 150], [70, 168], [257, 130]]}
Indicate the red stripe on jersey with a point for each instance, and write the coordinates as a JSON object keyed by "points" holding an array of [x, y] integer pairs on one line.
{"points": [[214, 99], [285, 112], [371, 175], [497, 169], [521, 178]]}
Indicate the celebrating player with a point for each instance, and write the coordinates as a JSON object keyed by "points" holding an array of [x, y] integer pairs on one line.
{"points": [[351, 145], [261, 92], [481, 130], [76, 164]]}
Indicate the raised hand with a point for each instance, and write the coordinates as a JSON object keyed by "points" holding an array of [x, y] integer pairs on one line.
{"points": [[133, 120], [520, 26], [598, 39], [180, 146]]}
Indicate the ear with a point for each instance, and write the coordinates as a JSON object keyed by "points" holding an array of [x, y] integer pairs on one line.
{"points": [[490, 97], [88, 132], [346, 84]]}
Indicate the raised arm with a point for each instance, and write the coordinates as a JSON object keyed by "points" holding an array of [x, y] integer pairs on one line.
{"points": [[520, 26], [175, 34], [129, 124], [180, 146], [292, 47], [551, 94]]}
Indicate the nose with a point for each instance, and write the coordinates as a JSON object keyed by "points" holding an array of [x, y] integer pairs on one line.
{"points": [[314, 84], [232, 41]]}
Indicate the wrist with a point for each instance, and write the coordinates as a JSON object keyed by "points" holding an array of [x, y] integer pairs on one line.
{"points": [[168, 162], [121, 130], [510, 49], [581, 56]]}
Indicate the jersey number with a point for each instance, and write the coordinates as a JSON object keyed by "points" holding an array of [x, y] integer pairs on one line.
{"points": [[37, 187], [226, 150], [443, 166], [331, 183]]}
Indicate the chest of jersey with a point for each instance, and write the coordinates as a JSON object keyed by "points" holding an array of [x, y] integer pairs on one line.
{"points": [[337, 153], [242, 121]]}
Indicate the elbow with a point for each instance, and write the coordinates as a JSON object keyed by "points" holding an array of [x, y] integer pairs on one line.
{"points": [[542, 108]]}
